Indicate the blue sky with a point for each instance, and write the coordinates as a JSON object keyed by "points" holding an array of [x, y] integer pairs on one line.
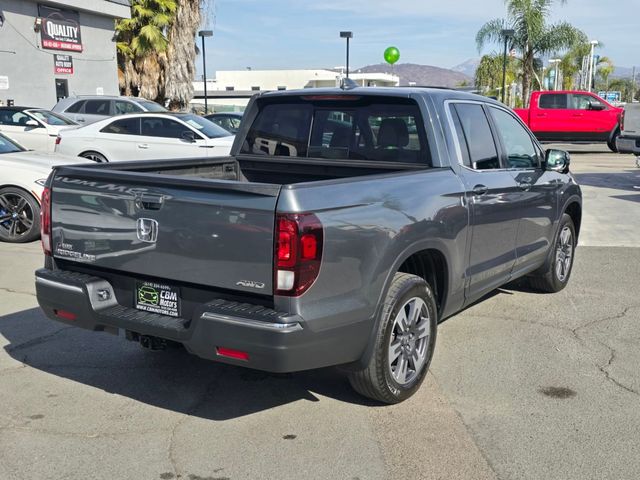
{"points": [[276, 34]]}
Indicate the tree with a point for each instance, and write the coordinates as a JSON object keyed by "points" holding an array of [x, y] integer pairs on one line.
{"points": [[181, 54], [488, 78], [533, 36], [142, 45]]}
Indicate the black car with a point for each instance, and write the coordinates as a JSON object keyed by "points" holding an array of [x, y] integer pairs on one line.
{"points": [[230, 121]]}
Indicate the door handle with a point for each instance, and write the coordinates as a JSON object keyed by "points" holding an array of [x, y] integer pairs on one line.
{"points": [[143, 146], [480, 190], [81, 120], [541, 115], [578, 115]]}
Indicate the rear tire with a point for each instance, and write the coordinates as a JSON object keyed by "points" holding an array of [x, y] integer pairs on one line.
{"points": [[554, 276], [94, 156], [404, 342], [19, 216]]}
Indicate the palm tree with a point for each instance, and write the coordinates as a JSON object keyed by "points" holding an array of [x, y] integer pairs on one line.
{"points": [[142, 45], [488, 77], [533, 36], [181, 54]]}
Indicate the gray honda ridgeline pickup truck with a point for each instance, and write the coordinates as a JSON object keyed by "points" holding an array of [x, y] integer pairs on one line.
{"points": [[344, 227]]}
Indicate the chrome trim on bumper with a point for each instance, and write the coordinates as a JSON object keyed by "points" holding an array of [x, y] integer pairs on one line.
{"points": [[246, 322]]}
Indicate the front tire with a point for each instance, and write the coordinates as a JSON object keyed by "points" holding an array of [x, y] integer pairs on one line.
{"points": [[404, 342], [19, 216], [612, 143], [554, 276]]}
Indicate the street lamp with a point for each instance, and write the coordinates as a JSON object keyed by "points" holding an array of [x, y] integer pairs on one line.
{"points": [[203, 34], [347, 35], [555, 79], [593, 43], [507, 34]]}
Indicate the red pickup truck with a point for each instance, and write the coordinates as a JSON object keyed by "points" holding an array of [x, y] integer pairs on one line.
{"points": [[572, 116]]}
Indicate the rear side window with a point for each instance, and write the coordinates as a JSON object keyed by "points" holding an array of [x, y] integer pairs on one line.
{"points": [[97, 107], [126, 107], [478, 139], [162, 127], [126, 126], [553, 101], [341, 129], [76, 107]]}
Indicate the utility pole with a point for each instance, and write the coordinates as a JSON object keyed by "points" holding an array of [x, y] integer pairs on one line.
{"points": [[507, 34]]}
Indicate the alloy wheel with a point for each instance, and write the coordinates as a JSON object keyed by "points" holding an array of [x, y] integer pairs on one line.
{"points": [[16, 216], [564, 254]]}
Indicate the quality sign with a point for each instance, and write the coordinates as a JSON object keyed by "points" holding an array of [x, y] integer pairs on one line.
{"points": [[63, 64], [60, 29]]}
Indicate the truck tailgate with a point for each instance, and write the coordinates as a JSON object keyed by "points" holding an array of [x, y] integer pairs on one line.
{"points": [[213, 233]]}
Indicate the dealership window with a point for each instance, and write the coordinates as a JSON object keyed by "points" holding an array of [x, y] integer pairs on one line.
{"points": [[255, 88], [281, 87], [230, 89]]}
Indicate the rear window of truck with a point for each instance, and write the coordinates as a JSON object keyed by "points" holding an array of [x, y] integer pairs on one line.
{"points": [[356, 128]]}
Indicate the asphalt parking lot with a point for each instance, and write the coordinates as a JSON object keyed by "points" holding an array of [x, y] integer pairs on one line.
{"points": [[522, 386]]}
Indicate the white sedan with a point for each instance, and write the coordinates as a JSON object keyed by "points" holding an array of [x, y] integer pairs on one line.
{"points": [[146, 136], [34, 128], [22, 179]]}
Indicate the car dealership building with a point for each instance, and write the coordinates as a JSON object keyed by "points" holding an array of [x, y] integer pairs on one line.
{"points": [[53, 49]]}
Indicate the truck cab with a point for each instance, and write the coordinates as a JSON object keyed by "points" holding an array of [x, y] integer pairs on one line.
{"points": [[572, 116]]}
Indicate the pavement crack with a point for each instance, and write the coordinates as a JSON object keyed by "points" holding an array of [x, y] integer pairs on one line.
{"points": [[607, 374], [617, 316], [35, 341], [171, 453], [11, 290]]}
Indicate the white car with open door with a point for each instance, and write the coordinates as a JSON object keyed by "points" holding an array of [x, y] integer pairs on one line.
{"points": [[33, 128], [146, 136], [22, 177]]}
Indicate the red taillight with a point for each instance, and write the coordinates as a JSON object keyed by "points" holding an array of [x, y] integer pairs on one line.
{"points": [[58, 140], [45, 221], [230, 353], [65, 315], [298, 253]]}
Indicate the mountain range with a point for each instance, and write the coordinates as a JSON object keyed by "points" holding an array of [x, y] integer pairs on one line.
{"points": [[424, 75]]}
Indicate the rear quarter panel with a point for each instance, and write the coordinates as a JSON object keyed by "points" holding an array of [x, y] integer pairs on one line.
{"points": [[371, 225]]}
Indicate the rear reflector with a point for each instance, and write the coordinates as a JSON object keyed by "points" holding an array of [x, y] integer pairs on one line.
{"points": [[64, 314], [229, 353], [58, 140]]}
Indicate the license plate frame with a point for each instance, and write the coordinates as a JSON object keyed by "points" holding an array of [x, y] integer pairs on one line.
{"points": [[157, 298]]}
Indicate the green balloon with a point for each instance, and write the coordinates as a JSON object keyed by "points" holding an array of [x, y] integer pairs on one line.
{"points": [[391, 55]]}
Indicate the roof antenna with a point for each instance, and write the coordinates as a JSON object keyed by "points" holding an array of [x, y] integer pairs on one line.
{"points": [[348, 84]]}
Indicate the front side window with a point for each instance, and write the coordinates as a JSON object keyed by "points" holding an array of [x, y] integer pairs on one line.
{"points": [[478, 139], [97, 107], [163, 127], [353, 128], [125, 126], [519, 147], [14, 118], [51, 118], [584, 102], [553, 101]]}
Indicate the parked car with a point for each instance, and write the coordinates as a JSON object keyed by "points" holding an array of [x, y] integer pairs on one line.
{"points": [[572, 116], [22, 177], [230, 121], [90, 109], [146, 136], [34, 128], [321, 241], [629, 139]]}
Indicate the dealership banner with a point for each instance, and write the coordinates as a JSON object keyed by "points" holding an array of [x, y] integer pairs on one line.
{"points": [[60, 29], [63, 64]]}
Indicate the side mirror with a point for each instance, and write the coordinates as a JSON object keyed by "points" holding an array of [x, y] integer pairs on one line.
{"points": [[32, 123], [596, 106], [189, 136], [557, 161]]}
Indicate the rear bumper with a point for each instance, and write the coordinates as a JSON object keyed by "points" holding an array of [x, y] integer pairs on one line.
{"points": [[628, 145], [274, 341]]}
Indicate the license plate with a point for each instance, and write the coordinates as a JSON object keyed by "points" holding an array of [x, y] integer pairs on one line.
{"points": [[158, 298]]}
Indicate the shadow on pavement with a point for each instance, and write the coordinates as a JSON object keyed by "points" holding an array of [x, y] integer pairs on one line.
{"points": [[628, 180], [171, 379]]}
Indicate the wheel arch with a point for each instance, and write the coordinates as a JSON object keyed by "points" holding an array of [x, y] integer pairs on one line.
{"points": [[24, 189], [573, 208], [94, 150]]}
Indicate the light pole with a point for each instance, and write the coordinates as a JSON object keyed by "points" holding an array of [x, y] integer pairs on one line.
{"points": [[507, 34], [203, 34], [347, 35], [593, 43], [557, 74]]}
